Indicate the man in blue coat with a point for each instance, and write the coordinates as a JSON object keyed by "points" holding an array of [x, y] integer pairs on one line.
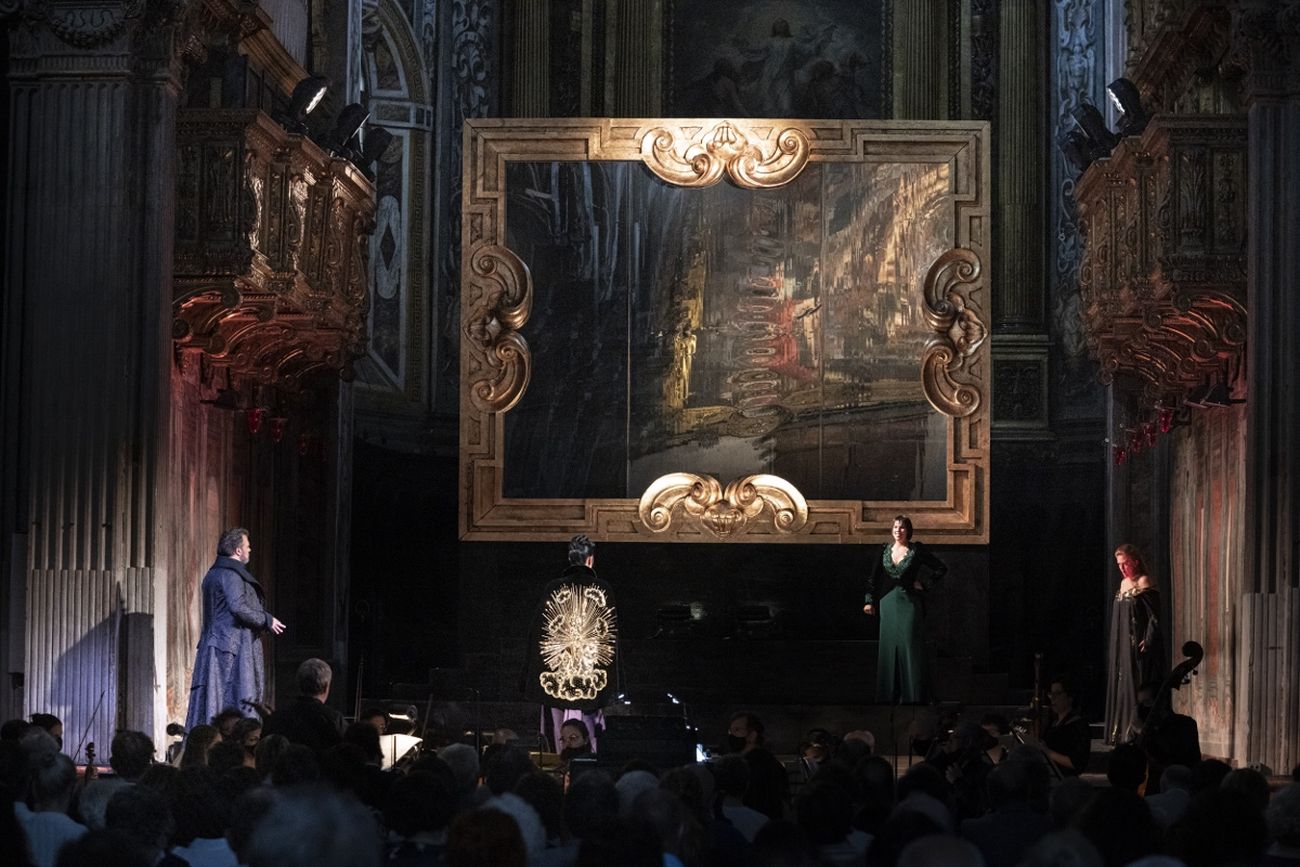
{"points": [[229, 671]]}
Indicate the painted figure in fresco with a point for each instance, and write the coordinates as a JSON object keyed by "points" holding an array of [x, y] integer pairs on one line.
{"points": [[902, 573], [229, 670], [1136, 653], [573, 649]]}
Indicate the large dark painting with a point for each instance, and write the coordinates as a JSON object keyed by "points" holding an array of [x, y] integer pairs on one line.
{"points": [[727, 331], [776, 58], [717, 329]]}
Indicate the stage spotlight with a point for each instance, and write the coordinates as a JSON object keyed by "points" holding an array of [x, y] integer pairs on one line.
{"points": [[1128, 100], [307, 94], [1075, 149], [375, 141], [346, 126], [1101, 141]]}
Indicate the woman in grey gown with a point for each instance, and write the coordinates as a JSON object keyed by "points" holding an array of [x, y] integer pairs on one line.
{"points": [[1136, 650]]}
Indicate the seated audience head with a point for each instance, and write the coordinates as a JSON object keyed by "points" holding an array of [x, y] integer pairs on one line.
{"points": [[902, 828], [1065, 848], [1208, 774], [463, 761], [130, 754], [506, 767], [13, 730], [245, 816], [366, 737], [531, 829], [575, 740], [248, 732], [53, 778], [295, 764], [824, 810], [1119, 824], [198, 743], [685, 783], [103, 849], [622, 842], [267, 753], [92, 803], [200, 810], [630, 785], [1127, 767], [377, 717], [226, 755], [1283, 817], [665, 814], [924, 778], [590, 801], [483, 838], [1251, 784], [731, 776], [1068, 799], [780, 843], [141, 813], [1221, 828], [545, 794], [314, 677], [1176, 777], [225, 722], [745, 732], [52, 725], [940, 849], [311, 826]]}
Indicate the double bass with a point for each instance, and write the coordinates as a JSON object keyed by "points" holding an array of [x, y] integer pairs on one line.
{"points": [[1166, 737]]}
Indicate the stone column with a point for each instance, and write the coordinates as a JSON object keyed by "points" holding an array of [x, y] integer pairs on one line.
{"points": [[1267, 37], [531, 64], [88, 291], [637, 68], [1020, 343], [920, 42]]}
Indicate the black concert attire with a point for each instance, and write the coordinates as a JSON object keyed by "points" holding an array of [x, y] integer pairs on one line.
{"points": [[1134, 624], [900, 661], [307, 721], [1070, 738]]}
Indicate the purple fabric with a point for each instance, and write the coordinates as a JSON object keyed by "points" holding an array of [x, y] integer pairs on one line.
{"points": [[229, 668]]}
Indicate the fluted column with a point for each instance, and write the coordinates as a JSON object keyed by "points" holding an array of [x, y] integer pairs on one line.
{"points": [[88, 293], [920, 43], [1267, 36], [1020, 344], [638, 57], [531, 90]]}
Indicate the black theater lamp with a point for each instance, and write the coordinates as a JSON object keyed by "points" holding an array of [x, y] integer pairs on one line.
{"points": [[1075, 149], [1101, 141], [375, 141], [346, 126], [1124, 94], [307, 94]]}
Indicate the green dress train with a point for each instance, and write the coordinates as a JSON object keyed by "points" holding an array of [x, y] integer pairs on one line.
{"points": [[900, 667]]}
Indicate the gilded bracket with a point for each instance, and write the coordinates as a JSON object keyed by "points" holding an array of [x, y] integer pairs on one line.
{"points": [[722, 511], [700, 160], [947, 366], [505, 293]]}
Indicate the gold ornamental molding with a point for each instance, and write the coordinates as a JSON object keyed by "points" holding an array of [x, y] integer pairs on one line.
{"points": [[722, 511], [500, 337], [700, 157], [948, 372]]}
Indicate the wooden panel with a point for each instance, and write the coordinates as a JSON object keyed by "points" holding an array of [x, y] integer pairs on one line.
{"points": [[1206, 565]]}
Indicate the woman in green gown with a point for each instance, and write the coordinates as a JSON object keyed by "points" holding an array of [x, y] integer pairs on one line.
{"points": [[901, 575]]}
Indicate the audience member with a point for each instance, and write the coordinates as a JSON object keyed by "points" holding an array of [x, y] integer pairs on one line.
{"points": [[50, 724], [1175, 795], [1119, 825], [1067, 801], [1065, 848], [103, 849], [1016, 820], [308, 720], [731, 781], [666, 815], [506, 767], [783, 844], [267, 753], [769, 785], [531, 829], [1207, 774], [1251, 784], [309, 826], [92, 802], [247, 812], [141, 814], [940, 849], [130, 754], [1127, 768], [483, 838], [1283, 820], [201, 815], [622, 842], [824, 809], [902, 828], [48, 826], [464, 764], [545, 794], [630, 784], [14, 729], [225, 722], [225, 755], [295, 764], [198, 743], [1222, 828]]}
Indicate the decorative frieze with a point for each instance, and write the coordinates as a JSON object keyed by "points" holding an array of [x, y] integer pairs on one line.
{"points": [[272, 235]]}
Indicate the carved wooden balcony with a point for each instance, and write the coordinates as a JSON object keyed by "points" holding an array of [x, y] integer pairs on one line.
{"points": [[272, 237], [1163, 277]]}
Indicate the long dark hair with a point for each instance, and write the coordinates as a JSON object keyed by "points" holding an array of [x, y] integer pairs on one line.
{"points": [[907, 524]]}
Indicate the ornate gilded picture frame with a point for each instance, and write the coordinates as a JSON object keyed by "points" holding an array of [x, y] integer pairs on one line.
{"points": [[705, 330]]}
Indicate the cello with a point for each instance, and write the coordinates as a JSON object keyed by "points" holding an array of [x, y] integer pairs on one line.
{"points": [[1166, 737]]}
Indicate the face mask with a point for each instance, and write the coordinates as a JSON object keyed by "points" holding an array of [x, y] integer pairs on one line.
{"points": [[736, 743]]}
